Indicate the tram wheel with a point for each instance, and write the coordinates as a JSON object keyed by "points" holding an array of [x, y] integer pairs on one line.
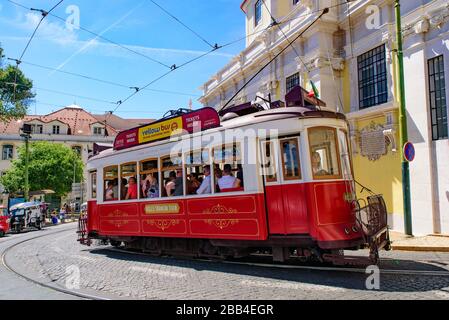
{"points": [[2, 233], [115, 243]]}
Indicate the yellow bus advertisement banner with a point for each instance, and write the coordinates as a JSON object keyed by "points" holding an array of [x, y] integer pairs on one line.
{"points": [[160, 130]]}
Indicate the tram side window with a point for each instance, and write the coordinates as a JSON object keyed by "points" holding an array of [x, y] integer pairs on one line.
{"points": [[172, 176], [345, 155], [110, 184], [228, 169], [269, 161], [128, 181], [149, 179], [197, 172], [93, 185], [290, 159], [323, 153]]}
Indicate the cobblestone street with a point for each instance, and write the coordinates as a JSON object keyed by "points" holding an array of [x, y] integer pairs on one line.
{"points": [[112, 274]]}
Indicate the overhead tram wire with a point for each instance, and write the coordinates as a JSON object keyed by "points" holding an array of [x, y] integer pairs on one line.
{"points": [[274, 22], [324, 11], [174, 67], [100, 80], [62, 93], [99, 36], [184, 25], [44, 14]]}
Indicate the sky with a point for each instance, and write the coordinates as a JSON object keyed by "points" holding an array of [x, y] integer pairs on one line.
{"points": [[138, 25]]}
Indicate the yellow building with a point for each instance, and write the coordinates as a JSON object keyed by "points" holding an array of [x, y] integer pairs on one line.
{"points": [[350, 55]]}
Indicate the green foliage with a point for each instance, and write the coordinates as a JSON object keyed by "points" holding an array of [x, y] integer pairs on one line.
{"points": [[13, 103], [51, 166]]}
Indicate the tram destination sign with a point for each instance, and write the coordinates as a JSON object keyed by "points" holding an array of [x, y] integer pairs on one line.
{"points": [[198, 120]]}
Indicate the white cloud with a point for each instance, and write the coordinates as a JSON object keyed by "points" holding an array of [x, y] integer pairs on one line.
{"points": [[50, 30]]}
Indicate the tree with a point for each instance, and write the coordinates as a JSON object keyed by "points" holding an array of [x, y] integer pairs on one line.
{"points": [[13, 103], [51, 166]]}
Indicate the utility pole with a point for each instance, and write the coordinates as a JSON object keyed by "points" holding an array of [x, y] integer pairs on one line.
{"points": [[403, 122], [26, 129]]}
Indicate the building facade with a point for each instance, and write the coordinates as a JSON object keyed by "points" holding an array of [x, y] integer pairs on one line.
{"points": [[72, 126], [350, 56]]}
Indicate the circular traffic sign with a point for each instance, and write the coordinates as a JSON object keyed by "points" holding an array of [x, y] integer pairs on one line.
{"points": [[409, 152]]}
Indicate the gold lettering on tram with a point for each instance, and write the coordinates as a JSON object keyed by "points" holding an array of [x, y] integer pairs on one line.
{"points": [[117, 213], [167, 208]]}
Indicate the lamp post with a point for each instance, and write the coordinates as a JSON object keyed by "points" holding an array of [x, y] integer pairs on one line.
{"points": [[26, 129], [403, 122]]}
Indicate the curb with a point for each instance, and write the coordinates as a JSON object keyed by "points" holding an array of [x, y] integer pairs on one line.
{"points": [[420, 248]]}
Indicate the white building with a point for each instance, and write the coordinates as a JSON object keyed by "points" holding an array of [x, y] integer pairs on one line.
{"points": [[350, 56]]}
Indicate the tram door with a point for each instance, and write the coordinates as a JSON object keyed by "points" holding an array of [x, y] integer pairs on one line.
{"points": [[284, 189]]}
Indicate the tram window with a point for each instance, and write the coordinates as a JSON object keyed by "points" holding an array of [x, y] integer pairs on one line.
{"points": [[268, 161], [93, 185], [128, 181], [110, 183], [195, 162], [290, 159], [345, 155], [323, 153], [172, 176], [149, 179], [228, 168]]}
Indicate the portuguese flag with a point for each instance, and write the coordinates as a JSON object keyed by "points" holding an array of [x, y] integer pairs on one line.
{"points": [[314, 92]]}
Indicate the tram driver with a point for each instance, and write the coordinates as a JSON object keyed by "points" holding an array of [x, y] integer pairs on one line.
{"points": [[316, 165]]}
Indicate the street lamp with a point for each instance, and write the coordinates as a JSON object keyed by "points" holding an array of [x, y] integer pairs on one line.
{"points": [[26, 129]]}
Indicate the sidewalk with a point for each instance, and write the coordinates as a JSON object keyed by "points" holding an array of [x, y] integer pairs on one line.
{"points": [[431, 243]]}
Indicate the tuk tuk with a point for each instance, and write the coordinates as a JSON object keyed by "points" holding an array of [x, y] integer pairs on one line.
{"points": [[4, 220], [27, 215]]}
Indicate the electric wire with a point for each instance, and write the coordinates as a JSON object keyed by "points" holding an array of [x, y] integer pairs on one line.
{"points": [[183, 24], [325, 11]]}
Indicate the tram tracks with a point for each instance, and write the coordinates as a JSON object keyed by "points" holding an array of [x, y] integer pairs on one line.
{"points": [[51, 285], [301, 267]]}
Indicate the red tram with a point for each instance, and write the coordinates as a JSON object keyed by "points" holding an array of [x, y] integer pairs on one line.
{"points": [[276, 180]]}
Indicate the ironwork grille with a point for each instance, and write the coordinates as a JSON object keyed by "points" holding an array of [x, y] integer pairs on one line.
{"points": [[372, 78], [437, 94], [292, 82]]}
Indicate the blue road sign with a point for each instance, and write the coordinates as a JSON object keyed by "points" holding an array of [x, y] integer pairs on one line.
{"points": [[409, 152]]}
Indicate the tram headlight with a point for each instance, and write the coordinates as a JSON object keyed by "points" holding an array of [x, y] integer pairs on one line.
{"points": [[347, 231], [354, 229]]}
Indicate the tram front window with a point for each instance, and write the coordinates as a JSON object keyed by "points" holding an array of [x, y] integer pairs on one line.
{"points": [[323, 153], [290, 159]]}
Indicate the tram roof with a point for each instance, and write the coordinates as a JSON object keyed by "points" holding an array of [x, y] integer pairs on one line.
{"points": [[244, 120]]}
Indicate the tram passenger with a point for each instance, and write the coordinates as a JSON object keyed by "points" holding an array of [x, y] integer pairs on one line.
{"points": [[227, 181], [132, 189], [179, 184], [239, 177], [123, 188], [170, 184], [193, 183], [205, 187], [109, 193], [150, 187]]}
